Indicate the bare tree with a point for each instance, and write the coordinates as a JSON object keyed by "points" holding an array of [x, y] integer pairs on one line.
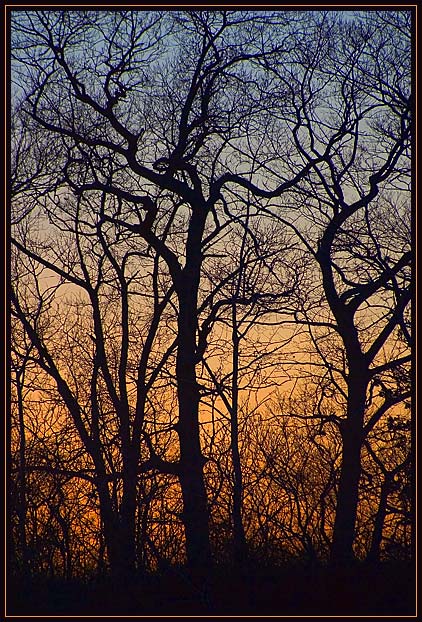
{"points": [[89, 80], [76, 343], [144, 140], [351, 106], [245, 321]]}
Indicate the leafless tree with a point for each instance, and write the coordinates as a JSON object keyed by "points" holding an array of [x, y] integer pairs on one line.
{"points": [[143, 141], [147, 115], [351, 124]]}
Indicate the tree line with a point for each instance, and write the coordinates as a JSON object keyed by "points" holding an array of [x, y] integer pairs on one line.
{"points": [[211, 254]]}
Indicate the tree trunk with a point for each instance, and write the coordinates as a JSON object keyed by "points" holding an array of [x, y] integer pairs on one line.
{"points": [[374, 551], [195, 507], [348, 492], [22, 492], [116, 536], [127, 535], [238, 530]]}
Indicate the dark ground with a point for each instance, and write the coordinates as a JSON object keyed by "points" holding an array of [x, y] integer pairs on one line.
{"points": [[385, 589]]}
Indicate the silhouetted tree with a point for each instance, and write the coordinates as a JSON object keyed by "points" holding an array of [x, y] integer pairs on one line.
{"points": [[143, 142], [244, 324], [157, 170], [349, 89], [102, 385]]}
